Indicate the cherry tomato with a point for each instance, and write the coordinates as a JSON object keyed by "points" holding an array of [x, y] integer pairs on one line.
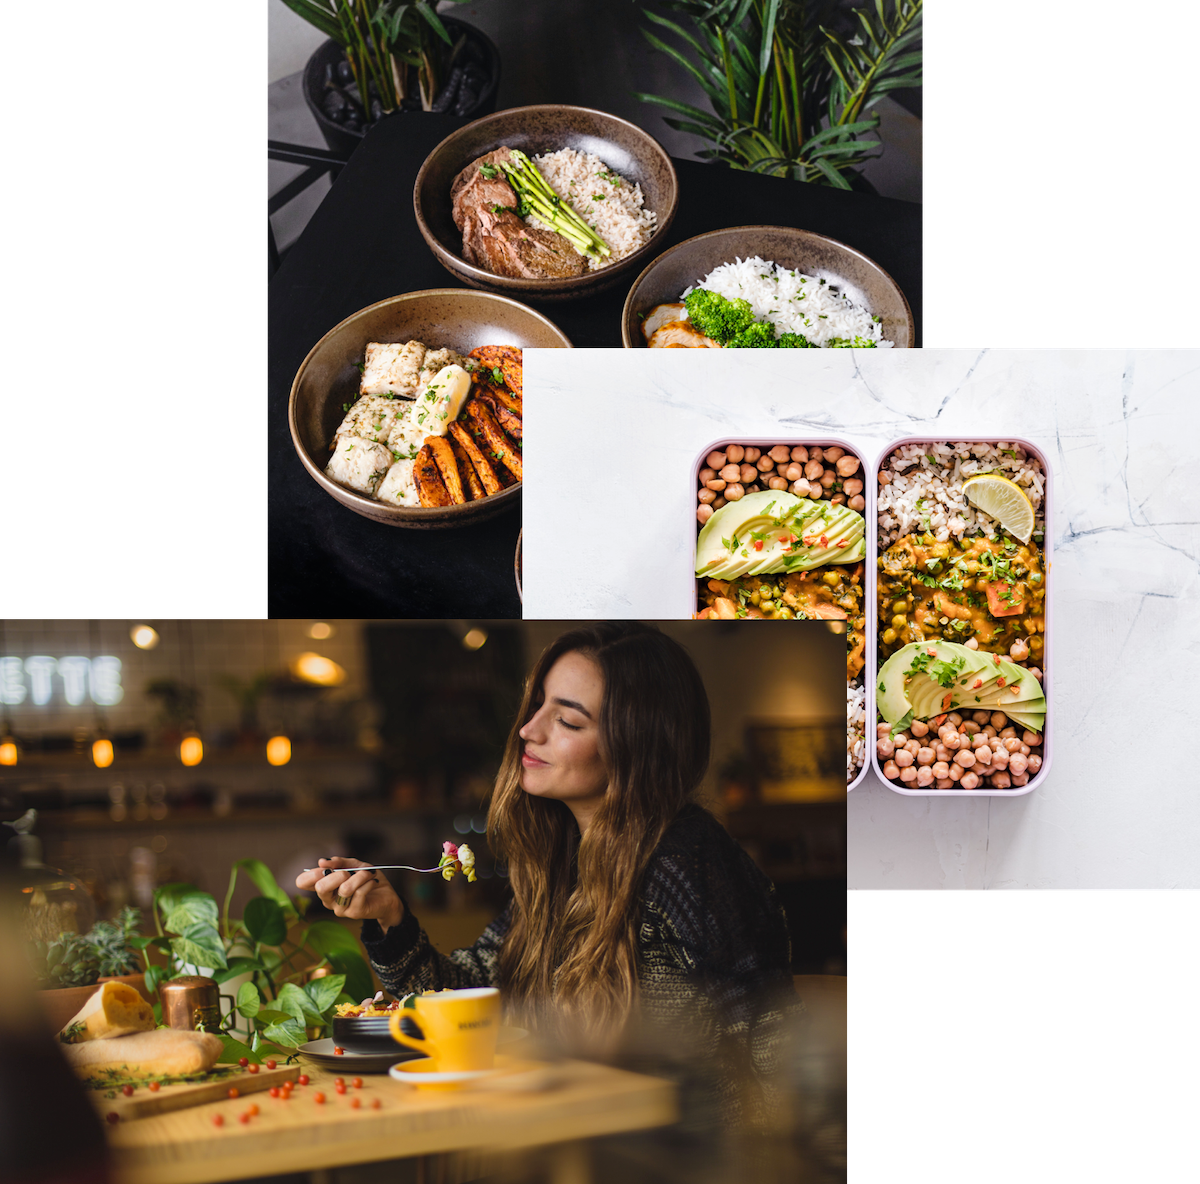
{"points": [[274, 1091], [339, 1081], [127, 1090], [319, 1098], [271, 1063], [243, 1062], [234, 1092], [375, 1103], [218, 1120], [357, 1083], [253, 1110], [355, 1103], [302, 1079], [340, 1087], [112, 1117], [244, 1118], [154, 1086], [251, 1068], [337, 1052]]}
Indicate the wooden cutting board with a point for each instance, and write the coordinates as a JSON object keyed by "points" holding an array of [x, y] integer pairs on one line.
{"points": [[144, 1103]]}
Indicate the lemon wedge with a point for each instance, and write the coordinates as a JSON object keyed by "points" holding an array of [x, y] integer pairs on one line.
{"points": [[1003, 500]]}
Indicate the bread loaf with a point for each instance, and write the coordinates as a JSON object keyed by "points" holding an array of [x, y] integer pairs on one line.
{"points": [[115, 1009], [165, 1052]]}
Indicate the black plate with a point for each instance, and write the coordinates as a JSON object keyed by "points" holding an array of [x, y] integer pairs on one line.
{"points": [[320, 1052]]}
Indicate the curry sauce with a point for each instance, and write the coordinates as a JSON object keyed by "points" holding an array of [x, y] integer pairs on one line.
{"points": [[993, 590]]}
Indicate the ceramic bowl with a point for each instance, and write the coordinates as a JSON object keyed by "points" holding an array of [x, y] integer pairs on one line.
{"points": [[631, 152], [440, 317], [862, 279]]}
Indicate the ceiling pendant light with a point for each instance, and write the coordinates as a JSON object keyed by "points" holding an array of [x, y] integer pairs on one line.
{"points": [[102, 752], [279, 750], [191, 749], [8, 749]]}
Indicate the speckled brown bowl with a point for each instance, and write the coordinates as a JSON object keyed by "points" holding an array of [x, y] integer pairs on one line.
{"points": [[862, 279], [623, 147], [440, 317]]}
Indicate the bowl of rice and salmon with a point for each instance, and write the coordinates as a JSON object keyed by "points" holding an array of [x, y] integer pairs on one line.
{"points": [[962, 606], [552, 202], [765, 287], [782, 536]]}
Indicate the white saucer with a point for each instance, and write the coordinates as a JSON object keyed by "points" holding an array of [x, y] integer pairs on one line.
{"points": [[418, 1074]]}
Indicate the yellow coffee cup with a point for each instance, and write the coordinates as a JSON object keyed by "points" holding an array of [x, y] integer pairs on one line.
{"points": [[460, 1028]]}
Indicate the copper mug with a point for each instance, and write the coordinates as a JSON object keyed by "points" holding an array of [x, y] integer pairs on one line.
{"points": [[192, 1002]]}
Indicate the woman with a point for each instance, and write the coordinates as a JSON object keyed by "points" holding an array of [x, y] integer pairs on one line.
{"points": [[633, 912]]}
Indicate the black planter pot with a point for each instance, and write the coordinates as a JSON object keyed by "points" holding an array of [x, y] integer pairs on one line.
{"points": [[344, 140]]}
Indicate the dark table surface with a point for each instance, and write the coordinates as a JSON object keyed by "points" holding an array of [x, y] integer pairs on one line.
{"points": [[363, 245]]}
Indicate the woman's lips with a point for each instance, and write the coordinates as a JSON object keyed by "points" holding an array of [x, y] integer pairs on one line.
{"points": [[532, 762]]}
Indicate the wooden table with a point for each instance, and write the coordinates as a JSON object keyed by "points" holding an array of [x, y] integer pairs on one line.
{"points": [[184, 1147]]}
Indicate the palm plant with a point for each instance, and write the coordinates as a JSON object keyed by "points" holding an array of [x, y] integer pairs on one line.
{"points": [[403, 49], [791, 93]]}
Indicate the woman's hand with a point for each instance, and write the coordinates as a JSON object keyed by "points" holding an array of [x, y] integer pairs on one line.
{"points": [[361, 896]]}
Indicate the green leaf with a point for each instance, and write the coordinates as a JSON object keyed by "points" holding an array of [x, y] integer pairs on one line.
{"points": [[317, 16], [237, 966], [264, 920], [345, 956], [768, 36], [297, 1004], [200, 945], [233, 1050], [325, 992], [153, 976], [248, 1003], [141, 943], [436, 25], [290, 1033], [190, 908], [268, 1015], [262, 879]]}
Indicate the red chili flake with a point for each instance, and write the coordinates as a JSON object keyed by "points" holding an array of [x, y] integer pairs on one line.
{"points": [[977, 684], [1001, 681], [946, 699], [1015, 688], [824, 541], [758, 546]]}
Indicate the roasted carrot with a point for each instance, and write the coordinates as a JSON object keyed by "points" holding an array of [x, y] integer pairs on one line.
{"points": [[443, 457], [487, 474]]}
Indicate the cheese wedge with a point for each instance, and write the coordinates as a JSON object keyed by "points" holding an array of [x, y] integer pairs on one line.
{"points": [[164, 1052], [115, 1009]]}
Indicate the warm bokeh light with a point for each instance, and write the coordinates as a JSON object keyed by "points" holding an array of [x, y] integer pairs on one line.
{"points": [[191, 750], [143, 637], [320, 630], [8, 753], [102, 753], [474, 638], [279, 750], [317, 670]]}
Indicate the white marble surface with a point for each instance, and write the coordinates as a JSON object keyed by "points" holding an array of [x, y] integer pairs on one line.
{"points": [[610, 440]]}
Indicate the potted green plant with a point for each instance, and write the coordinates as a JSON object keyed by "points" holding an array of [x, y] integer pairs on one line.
{"points": [[791, 87], [272, 948], [384, 56]]}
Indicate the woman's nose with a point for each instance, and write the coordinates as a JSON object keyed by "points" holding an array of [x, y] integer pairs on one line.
{"points": [[532, 727]]}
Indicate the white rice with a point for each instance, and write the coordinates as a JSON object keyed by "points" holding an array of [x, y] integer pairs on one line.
{"points": [[792, 302], [605, 201], [925, 490], [856, 729]]}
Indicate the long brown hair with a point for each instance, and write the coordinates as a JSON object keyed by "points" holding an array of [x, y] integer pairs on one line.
{"points": [[570, 955]]}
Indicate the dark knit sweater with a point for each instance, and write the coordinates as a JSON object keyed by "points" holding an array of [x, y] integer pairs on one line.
{"points": [[714, 957]]}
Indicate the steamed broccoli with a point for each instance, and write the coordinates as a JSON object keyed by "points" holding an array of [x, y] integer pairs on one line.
{"points": [[716, 317], [848, 343], [794, 341], [758, 335]]}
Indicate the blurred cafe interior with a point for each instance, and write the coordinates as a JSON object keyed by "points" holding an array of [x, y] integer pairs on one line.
{"points": [[137, 754]]}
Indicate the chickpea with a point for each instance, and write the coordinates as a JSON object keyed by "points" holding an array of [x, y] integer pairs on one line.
{"points": [[913, 746], [800, 488], [1034, 762], [891, 770], [884, 747], [735, 492], [953, 741], [924, 756], [815, 454], [1019, 779], [857, 502], [715, 460], [828, 477], [971, 643], [998, 720], [899, 621], [983, 756], [734, 453], [956, 772], [765, 464], [800, 453], [780, 452], [730, 473], [846, 465], [853, 486], [1001, 780], [752, 454], [883, 730], [903, 758], [778, 483], [1017, 763], [1008, 733], [924, 776], [900, 737], [989, 732], [941, 768], [1024, 750], [1018, 651], [955, 719], [965, 757], [831, 578], [833, 453], [838, 499], [918, 728], [815, 490], [1012, 745], [746, 474], [942, 753], [937, 721], [889, 636], [1036, 673], [908, 774], [1031, 738], [943, 783], [716, 483], [969, 781], [885, 478], [705, 496], [703, 514], [813, 469], [706, 475], [968, 727], [794, 471], [979, 740], [981, 717], [719, 503]]}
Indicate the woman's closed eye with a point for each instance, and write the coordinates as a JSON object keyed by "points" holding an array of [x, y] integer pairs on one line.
{"points": [[573, 727]]}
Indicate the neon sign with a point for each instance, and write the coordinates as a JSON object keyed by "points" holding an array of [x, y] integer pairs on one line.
{"points": [[33, 678]]}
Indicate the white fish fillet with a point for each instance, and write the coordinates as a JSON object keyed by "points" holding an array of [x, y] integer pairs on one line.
{"points": [[394, 367], [359, 464]]}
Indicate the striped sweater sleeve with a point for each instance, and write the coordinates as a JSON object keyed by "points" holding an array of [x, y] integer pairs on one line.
{"points": [[406, 961]]}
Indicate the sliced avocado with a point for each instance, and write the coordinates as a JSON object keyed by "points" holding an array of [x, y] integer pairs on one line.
{"points": [[1035, 721], [939, 688], [728, 532]]}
